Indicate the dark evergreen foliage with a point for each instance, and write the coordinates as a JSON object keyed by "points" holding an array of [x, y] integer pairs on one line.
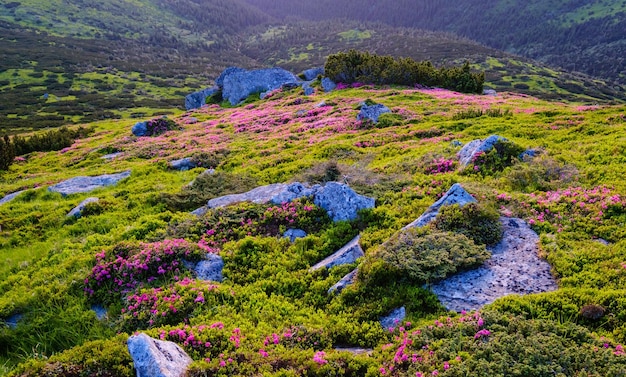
{"points": [[355, 66]]}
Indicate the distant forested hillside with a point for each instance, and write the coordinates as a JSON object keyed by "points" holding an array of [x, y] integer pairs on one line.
{"points": [[585, 36]]}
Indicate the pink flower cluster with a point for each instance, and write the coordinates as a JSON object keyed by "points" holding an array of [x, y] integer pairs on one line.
{"points": [[440, 166]]}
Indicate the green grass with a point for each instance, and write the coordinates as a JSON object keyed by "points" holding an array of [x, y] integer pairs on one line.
{"points": [[46, 257]]}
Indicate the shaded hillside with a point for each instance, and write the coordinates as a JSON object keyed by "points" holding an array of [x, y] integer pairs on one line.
{"points": [[585, 36]]}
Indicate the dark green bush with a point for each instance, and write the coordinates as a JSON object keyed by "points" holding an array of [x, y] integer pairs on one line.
{"points": [[355, 66], [389, 120], [503, 154], [541, 173], [416, 256], [476, 222]]}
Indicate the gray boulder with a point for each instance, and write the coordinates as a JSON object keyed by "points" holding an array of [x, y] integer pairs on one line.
{"points": [[528, 154], [101, 312], [455, 195], [328, 85], [294, 234], [238, 85], [311, 74], [394, 318], [200, 211], [112, 156], [308, 90], [489, 92], [140, 129], [10, 196], [474, 147], [77, 212], [86, 184], [183, 164], [198, 99], [345, 281], [340, 201], [372, 112], [210, 268], [219, 81], [346, 255], [157, 358]]}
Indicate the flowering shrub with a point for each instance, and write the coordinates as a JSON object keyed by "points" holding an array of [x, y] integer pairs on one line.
{"points": [[248, 219], [440, 165], [128, 266], [158, 126], [204, 341], [299, 337], [596, 211], [171, 304], [502, 155]]}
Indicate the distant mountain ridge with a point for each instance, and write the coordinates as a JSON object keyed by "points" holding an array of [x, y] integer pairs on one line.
{"points": [[584, 36]]}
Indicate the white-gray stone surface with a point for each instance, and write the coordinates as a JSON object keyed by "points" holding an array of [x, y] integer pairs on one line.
{"points": [[238, 85], [86, 184], [157, 358], [294, 234], [11, 196], [210, 268], [474, 147], [346, 255], [455, 195], [372, 112], [394, 318], [345, 281], [514, 268], [78, 210]]}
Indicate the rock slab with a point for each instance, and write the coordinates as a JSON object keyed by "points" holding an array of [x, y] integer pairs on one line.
{"points": [[10, 197], [157, 358], [394, 318], [85, 184], [339, 200], [238, 84], [455, 195], [346, 255], [372, 112], [210, 269], [514, 268], [345, 281], [197, 99], [77, 211], [294, 234], [328, 85], [183, 164], [474, 147]]}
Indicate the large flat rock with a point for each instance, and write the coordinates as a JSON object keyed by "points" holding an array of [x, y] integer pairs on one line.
{"points": [[514, 268], [85, 184], [157, 358]]}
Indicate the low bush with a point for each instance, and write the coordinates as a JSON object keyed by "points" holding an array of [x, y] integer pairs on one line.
{"points": [[502, 155], [417, 256], [480, 224], [541, 173]]}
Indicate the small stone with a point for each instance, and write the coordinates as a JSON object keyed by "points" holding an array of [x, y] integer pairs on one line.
{"points": [[11, 196], [183, 164], [294, 234], [140, 129], [372, 112], [346, 255], [345, 281], [210, 269], [394, 319], [489, 92]]}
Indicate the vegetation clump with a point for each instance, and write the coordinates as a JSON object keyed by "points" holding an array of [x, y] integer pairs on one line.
{"points": [[503, 154], [362, 67], [417, 256], [480, 224]]}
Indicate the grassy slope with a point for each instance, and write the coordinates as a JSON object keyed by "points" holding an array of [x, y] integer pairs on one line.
{"points": [[46, 257]]}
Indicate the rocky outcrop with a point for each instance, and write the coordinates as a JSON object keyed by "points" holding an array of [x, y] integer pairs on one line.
{"points": [[345, 281], [455, 195], [294, 234], [238, 85], [219, 81], [183, 164], [394, 318], [474, 147], [311, 74], [10, 197], [157, 358], [372, 112], [514, 268], [140, 129], [197, 99], [210, 268], [77, 211], [346, 255], [339, 200], [328, 85], [308, 89], [86, 184]]}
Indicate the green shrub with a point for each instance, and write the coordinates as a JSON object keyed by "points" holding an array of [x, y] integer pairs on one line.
{"points": [[502, 155], [416, 256], [362, 67], [476, 222], [541, 173], [389, 120]]}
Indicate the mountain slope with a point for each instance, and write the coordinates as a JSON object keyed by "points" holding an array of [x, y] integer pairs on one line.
{"points": [[577, 35]]}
